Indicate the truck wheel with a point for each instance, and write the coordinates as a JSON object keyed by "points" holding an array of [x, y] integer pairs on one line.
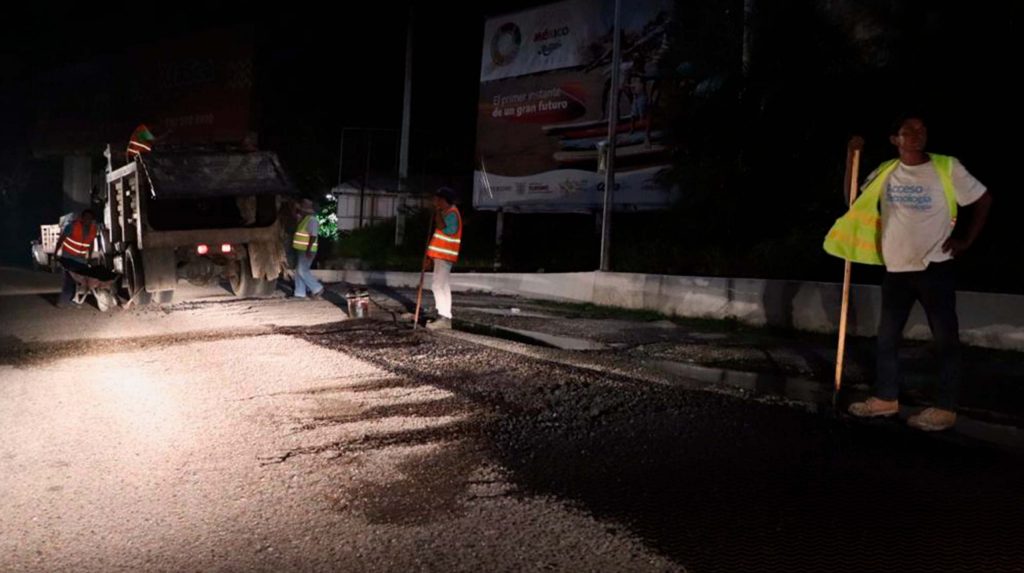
{"points": [[243, 285], [135, 277]]}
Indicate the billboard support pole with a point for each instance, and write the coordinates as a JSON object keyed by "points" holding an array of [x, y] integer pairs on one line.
{"points": [[403, 153], [499, 235], [613, 128]]}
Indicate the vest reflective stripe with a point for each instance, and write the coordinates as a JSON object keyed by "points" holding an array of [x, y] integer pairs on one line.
{"points": [[141, 141], [443, 251], [78, 241], [445, 238], [857, 235], [862, 244], [443, 246], [865, 218], [303, 241]]}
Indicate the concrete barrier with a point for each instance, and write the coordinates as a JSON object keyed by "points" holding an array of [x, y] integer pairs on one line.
{"points": [[987, 320]]}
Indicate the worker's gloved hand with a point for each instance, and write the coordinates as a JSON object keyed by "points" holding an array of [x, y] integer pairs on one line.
{"points": [[428, 264]]}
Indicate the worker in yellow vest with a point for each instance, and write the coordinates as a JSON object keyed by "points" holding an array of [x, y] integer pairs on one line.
{"points": [[305, 241], [442, 253], [904, 219]]}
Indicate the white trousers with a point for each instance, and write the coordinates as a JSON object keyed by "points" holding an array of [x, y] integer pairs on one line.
{"points": [[442, 290]]}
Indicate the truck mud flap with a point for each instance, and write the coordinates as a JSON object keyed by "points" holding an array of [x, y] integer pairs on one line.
{"points": [[159, 267], [266, 258]]}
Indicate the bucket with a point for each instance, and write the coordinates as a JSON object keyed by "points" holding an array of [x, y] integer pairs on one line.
{"points": [[358, 304]]}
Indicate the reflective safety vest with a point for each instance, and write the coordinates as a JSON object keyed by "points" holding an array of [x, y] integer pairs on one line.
{"points": [[302, 241], [141, 141], [857, 235], [77, 243], [446, 247]]}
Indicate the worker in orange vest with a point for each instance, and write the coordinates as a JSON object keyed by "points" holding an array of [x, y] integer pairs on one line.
{"points": [[75, 247], [442, 253], [141, 142]]}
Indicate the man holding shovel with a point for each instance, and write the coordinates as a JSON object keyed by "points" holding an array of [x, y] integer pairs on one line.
{"points": [[442, 252], [904, 220]]}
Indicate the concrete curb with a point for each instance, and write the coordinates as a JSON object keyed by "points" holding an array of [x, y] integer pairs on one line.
{"points": [[986, 320]]}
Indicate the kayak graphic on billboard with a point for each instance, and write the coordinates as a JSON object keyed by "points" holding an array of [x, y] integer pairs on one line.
{"points": [[545, 96]]}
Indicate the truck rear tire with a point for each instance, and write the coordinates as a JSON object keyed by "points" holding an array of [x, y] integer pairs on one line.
{"points": [[135, 277], [242, 283]]}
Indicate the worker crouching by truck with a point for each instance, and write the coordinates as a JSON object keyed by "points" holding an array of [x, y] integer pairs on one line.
{"points": [[75, 246]]}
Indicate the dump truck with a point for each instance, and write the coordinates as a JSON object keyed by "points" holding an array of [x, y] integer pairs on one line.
{"points": [[199, 215]]}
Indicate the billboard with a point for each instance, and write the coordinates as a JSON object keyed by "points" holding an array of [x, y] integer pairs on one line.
{"points": [[545, 96]]}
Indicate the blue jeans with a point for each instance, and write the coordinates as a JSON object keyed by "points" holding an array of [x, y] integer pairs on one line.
{"points": [[935, 287], [304, 276]]}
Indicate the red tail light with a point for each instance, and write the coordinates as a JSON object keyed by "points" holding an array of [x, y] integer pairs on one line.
{"points": [[202, 249], [225, 248]]}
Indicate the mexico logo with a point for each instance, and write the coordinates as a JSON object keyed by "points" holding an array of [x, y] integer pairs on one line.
{"points": [[505, 44]]}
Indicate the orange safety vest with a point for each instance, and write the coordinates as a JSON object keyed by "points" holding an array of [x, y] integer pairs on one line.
{"points": [[446, 247], [141, 141], [78, 242]]}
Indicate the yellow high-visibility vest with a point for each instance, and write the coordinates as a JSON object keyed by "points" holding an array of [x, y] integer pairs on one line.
{"points": [[857, 235], [301, 240]]}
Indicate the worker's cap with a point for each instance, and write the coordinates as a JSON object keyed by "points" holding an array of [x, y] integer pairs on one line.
{"points": [[446, 193]]}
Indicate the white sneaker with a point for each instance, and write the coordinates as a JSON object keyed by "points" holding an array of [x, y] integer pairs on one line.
{"points": [[442, 323], [933, 420]]}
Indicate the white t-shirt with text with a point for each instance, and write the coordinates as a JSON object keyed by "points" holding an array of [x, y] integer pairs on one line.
{"points": [[915, 216]]}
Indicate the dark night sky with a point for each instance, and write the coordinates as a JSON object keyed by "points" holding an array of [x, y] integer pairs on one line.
{"points": [[317, 69], [333, 67]]}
